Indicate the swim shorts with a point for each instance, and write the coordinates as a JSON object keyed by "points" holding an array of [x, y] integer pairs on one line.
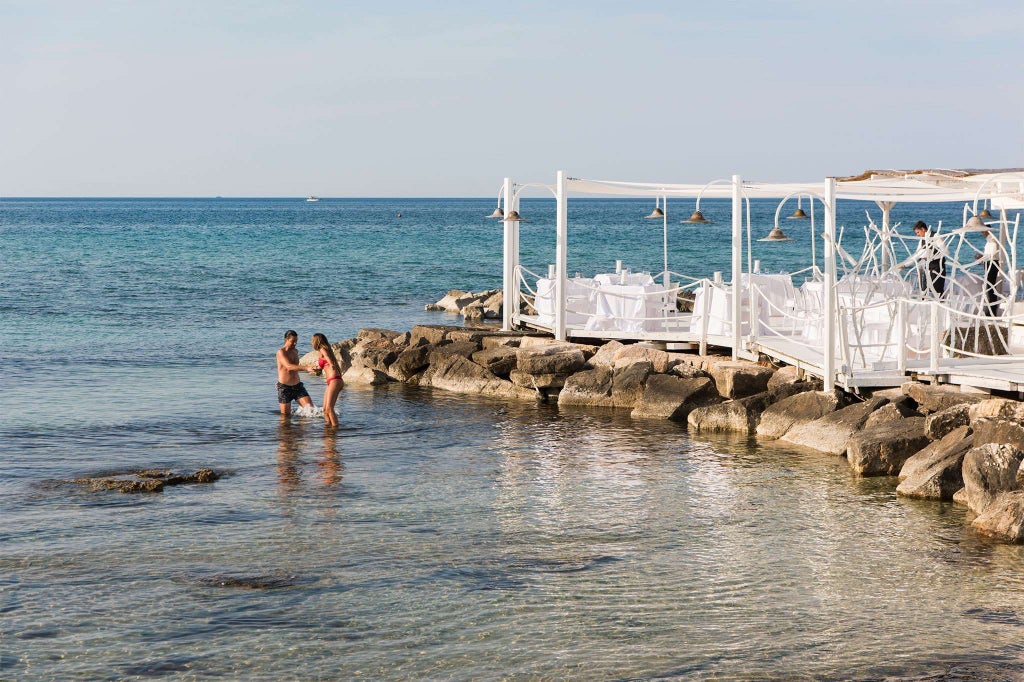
{"points": [[286, 394]]}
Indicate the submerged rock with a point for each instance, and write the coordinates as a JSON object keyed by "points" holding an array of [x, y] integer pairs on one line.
{"points": [[989, 470], [831, 433], [798, 409], [589, 388], [671, 397], [742, 415], [146, 481], [1003, 517]]}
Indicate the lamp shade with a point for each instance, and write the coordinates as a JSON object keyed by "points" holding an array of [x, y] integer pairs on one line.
{"points": [[498, 213], [513, 217], [776, 235], [656, 213], [799, 214], [985, 213], [697, 217]]}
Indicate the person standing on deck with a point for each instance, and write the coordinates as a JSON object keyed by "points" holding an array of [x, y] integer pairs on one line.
{"points": [[930, 259], [990, 257], [289, 387]]}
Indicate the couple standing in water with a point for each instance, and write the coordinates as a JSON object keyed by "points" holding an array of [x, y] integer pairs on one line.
{"points": [[289, 387]]}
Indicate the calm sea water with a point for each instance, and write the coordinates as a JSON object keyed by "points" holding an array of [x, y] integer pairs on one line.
{"points": [[434, 536]]}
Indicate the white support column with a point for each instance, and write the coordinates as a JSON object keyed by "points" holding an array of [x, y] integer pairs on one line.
{"points": [[664, 237], [561, 261], [829, 258], [510, 281], [737, 265], [886, 207]]}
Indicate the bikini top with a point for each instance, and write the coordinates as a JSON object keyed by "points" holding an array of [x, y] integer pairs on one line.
{"points": [[321, 363]]}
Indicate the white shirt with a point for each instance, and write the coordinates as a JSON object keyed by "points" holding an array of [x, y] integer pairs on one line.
{"points": [[932, 247], [992, 250]]}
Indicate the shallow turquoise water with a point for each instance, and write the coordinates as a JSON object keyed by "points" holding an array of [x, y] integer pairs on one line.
{"points": [[434, 536]]}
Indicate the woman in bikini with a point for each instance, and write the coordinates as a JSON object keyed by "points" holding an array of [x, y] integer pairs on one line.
{"points": [[328, 362]]}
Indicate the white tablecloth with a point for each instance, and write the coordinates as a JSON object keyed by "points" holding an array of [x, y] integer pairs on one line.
{"points": [[626, 307], [579, 292], [719, 311], [633, 278]]}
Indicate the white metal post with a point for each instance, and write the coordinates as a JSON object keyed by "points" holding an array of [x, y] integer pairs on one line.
{"points": [[936, 338], [829, 258], [510, 281], [561, 261], [901, 335], [737, 265], [664, 236]]}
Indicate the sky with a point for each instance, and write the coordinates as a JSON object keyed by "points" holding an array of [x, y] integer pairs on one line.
{"points": [[439, 99]]}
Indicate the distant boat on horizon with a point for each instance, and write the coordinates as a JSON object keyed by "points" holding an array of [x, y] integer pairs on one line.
{"points": [[312, 198]]}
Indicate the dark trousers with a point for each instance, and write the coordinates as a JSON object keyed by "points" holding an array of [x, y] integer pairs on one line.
{"points": [[933, 278], [991, 288]]}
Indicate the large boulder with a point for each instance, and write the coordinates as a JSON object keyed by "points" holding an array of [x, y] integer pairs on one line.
{"points": [[361, 374], [463, 349], [659, 359], [882, 449], [988, 470], [378, 354], [671, 397], [464, 334], [500, 360], [997, 408], [495, 339], [830, 433], [791, 375], [998, 431], [1003, 518], [493, 305], [537, 381], [460, 375], [740, 379], [605, 355], [410, 362], [896, 410], [561, 358], [628, 381], [938, 424], [741, 415], [937, 398], [449, 302], [435, 334], [934, 473], [589, 388], [375, 334], [798, 409]]}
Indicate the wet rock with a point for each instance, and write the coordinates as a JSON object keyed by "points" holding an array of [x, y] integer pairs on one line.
{"points": [[798, 409], [147, 481], [628, 382], [960, 497], [589, 388], [999, 431], [250, 582], [473, 312], [938, 424], [499, 360], [460, 375], [550, 359], [988, 470], [938, 398], [740, 379], [493, 305], [830, 434], [671, 397], [934, 473], [537, 381], [882, 449], [741, 415], [1003, 517], [378, 354]]}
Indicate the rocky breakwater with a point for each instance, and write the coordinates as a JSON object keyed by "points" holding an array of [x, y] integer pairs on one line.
{"points": [[486, 305], [650, 383]]}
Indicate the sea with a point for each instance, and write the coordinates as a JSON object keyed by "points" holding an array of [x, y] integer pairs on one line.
{"points": [[433, 536]]}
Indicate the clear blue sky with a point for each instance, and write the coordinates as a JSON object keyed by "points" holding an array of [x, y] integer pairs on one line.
{"points": [[444, 99]]}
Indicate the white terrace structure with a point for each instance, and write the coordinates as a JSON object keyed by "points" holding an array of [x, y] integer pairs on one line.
{"points": [[856, 320]]}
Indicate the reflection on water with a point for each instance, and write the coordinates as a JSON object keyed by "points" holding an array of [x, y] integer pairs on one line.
{"points": [[444, 537]]}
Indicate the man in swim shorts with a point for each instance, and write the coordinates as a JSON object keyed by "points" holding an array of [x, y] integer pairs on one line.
{"points": [[289, 387]]}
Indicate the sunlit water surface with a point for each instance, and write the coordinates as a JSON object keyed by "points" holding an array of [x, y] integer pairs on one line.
{"points": [[433, 536]]}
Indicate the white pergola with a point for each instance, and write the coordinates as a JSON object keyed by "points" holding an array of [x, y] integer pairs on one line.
{"points": [[884, 188]]}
